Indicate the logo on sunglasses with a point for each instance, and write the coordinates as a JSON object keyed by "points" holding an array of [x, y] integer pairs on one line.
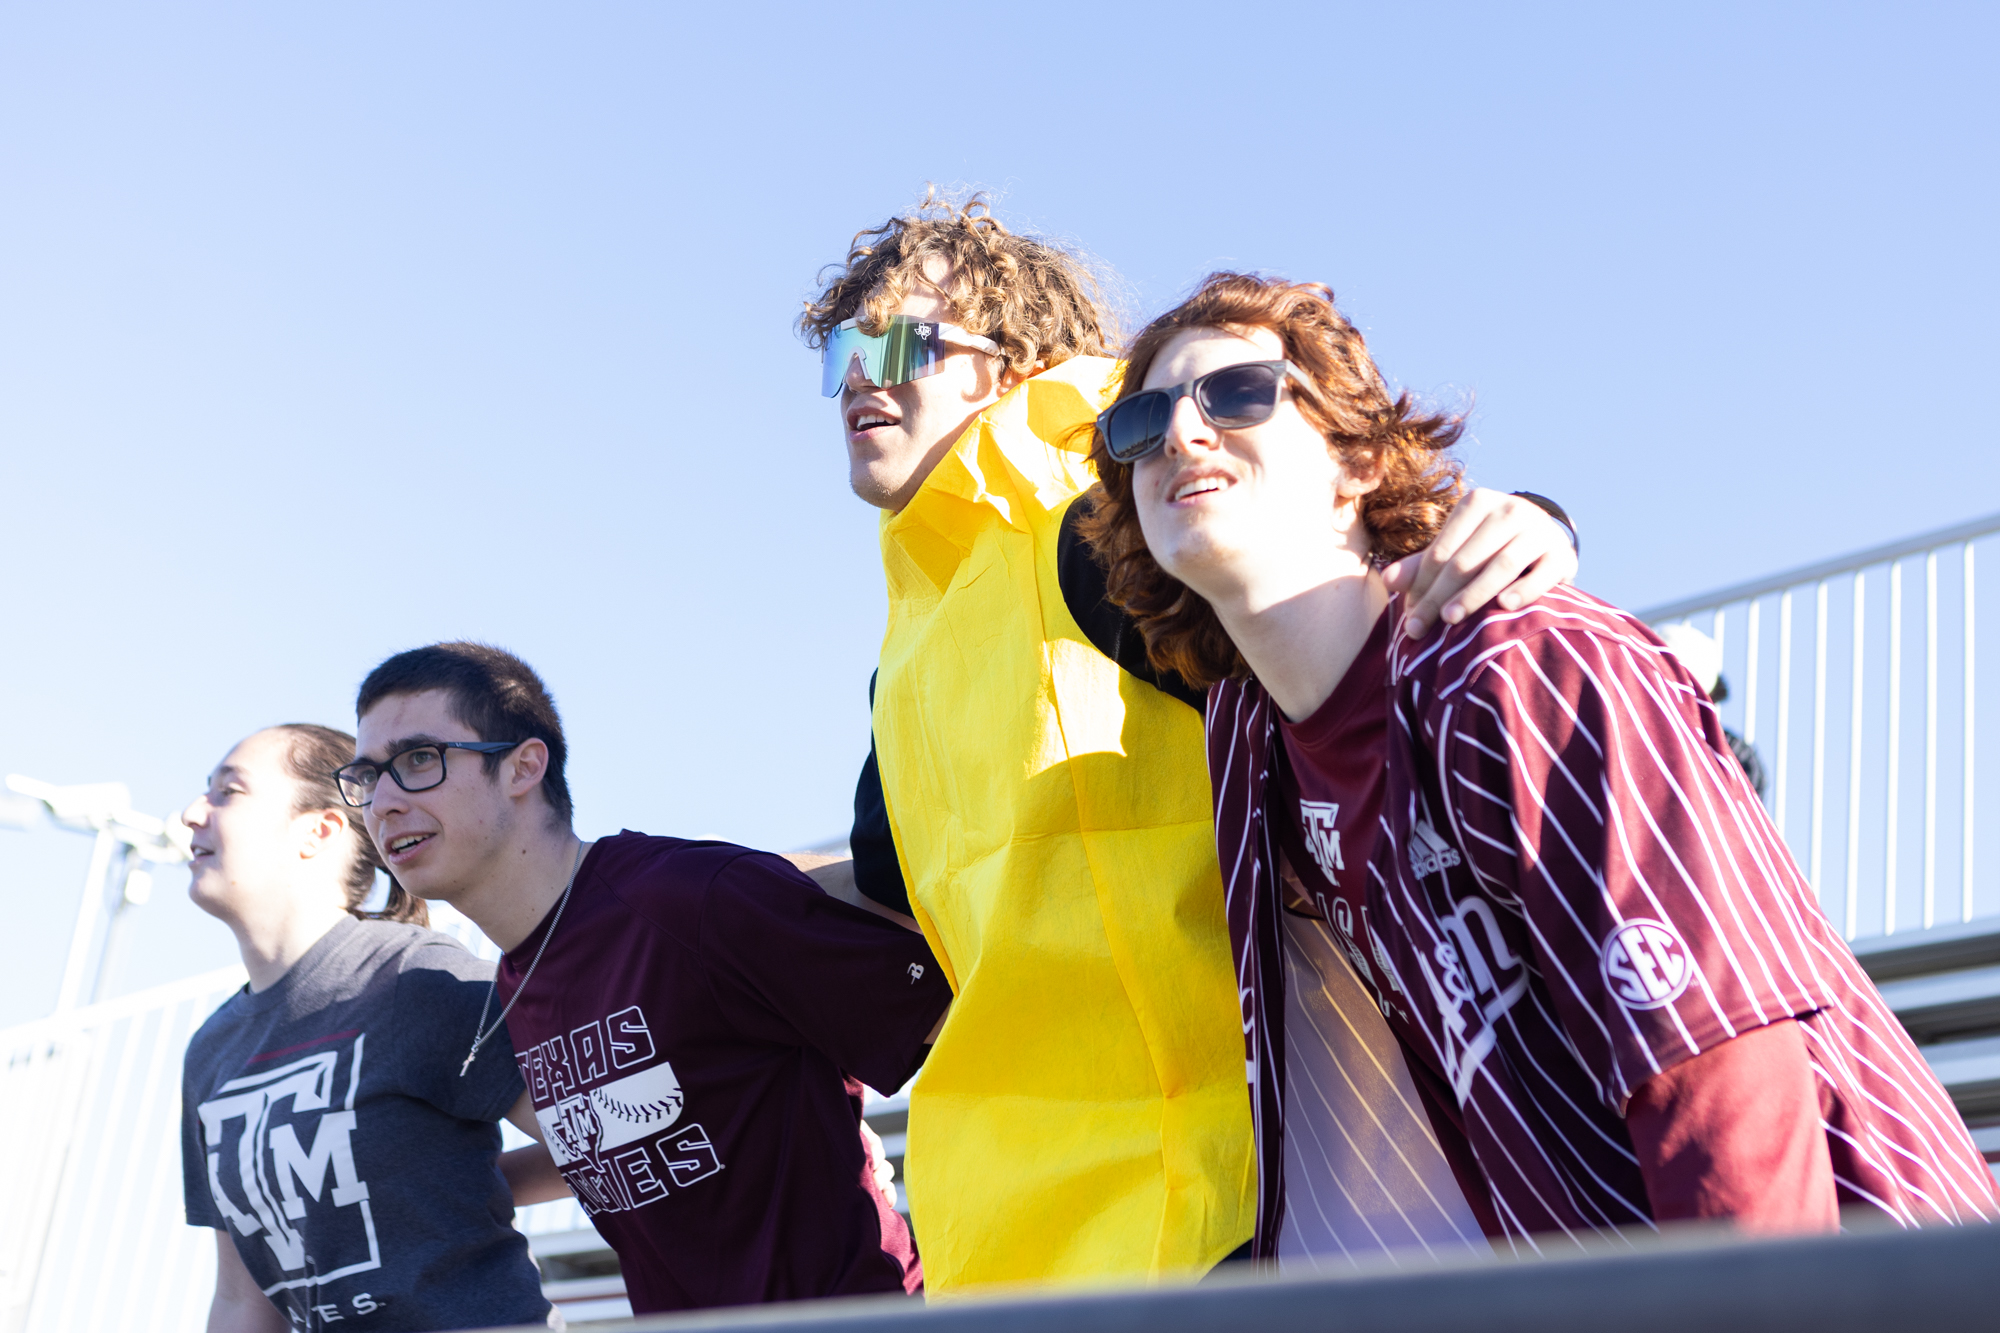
{"points": [[923, 330]]}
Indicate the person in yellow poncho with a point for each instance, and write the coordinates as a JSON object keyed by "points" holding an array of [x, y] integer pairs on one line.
{"points": [[1036, 797]]}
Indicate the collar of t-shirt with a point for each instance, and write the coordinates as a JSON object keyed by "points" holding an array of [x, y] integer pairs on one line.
{"points": [[1326, 740], [305, 980], [1326, 785], [523, 954]]}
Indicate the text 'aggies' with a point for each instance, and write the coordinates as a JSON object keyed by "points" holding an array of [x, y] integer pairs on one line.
{"points": [[614, 1134]]}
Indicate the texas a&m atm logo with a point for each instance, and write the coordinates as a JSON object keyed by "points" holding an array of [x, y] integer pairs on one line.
{"points": [[617, 1139], [1321, 822], [279, 1143]]}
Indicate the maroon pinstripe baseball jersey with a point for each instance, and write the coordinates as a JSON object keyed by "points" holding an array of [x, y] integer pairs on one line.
{"points": [[1537, 851]]}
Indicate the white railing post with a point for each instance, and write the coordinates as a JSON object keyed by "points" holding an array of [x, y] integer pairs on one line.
{"points": [[1967, 820], [1819, 738], [1853, 904], [1750, 681], [1930, 738], [1895, 774], [1781, 808]]}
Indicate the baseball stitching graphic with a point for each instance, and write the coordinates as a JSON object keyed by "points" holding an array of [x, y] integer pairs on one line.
{"points": [[621, 1112], [637, 1105]]}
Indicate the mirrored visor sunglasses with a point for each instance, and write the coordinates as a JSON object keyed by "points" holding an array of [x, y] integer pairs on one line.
{"points": [[909, 349]]}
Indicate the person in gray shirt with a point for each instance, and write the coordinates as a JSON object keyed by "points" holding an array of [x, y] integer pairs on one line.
{"points": [[352, 1173]]}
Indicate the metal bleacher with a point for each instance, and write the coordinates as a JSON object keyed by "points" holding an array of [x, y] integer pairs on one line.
{"points": [[1944, 985]]}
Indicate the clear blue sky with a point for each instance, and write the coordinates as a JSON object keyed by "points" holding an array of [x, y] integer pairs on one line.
{"points": [[328, 330]]}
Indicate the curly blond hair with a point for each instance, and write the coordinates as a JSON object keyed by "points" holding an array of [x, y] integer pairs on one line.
{"points": [[1372, 434], [1040, 301]]}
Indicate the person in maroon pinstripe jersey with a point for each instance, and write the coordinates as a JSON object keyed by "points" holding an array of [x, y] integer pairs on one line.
{"points": [[1524, 835]]}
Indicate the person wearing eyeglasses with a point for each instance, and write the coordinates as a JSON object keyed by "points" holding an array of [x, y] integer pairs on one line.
{"points": [[352, 1178], [694, 1020], [1034, 796], [1522, 839]]}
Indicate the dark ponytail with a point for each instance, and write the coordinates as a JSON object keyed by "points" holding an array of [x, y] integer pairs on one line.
{"points": [[315, 752]]}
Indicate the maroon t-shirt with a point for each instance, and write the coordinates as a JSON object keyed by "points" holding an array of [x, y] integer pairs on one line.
{"points": [[1537, 849], [692, 1041]]}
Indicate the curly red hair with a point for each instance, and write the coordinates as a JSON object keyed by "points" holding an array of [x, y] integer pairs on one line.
{"points": [[1370, 432]]}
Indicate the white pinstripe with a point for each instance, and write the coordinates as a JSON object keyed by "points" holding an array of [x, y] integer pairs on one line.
{"points": [[1413, 1196]]}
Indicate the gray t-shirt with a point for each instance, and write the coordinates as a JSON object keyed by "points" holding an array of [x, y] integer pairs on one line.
{"points": [[326, 1127]]}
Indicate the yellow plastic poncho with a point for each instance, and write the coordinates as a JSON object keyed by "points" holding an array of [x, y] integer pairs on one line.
{"points": [[1084, 1112]]}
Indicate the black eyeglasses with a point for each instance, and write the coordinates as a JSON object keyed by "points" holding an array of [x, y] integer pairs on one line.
{"points": [[1245, 394], [418, 768]]}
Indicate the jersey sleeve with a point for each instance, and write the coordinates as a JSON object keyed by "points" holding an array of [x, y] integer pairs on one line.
{"points": [[791, 964], [1593, 793], [439, 994]]}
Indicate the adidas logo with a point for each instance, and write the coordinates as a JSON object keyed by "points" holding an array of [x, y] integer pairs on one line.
{"points": [[1430, 854]]}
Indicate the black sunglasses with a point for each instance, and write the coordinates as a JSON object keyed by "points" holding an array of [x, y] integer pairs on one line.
{"points": [[418, 768], [1245, 394]]}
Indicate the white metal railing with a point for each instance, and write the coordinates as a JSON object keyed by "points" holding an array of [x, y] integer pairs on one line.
{"points": [[92, 1234], [1856, 680]]}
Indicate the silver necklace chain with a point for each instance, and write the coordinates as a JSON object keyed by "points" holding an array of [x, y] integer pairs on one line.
{"points": [[481, 1032]]}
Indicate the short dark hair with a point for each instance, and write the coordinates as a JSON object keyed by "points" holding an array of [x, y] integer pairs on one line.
{"points": [[492, 692]]}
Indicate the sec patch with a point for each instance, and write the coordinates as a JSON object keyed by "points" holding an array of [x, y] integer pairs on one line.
{"points": [[1646, 964]]}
